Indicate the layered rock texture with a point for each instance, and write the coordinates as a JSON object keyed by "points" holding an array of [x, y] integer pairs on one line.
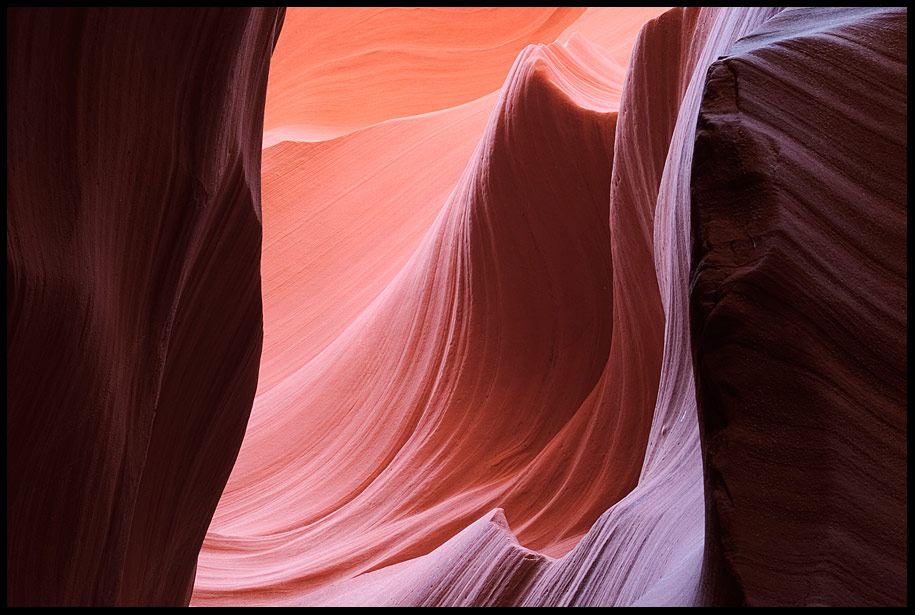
{"points": [[799, 307], [552, 307], [134, 321]]}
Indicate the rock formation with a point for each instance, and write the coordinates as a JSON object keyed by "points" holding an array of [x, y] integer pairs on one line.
{"points": [[133, 291], [799, 307], [625, 327]]}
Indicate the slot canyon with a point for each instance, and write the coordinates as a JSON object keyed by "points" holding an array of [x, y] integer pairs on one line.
{"points": [[457, 306]]}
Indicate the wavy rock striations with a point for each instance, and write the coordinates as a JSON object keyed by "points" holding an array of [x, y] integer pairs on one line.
{"points": [[336, 71], [799, 214], [595, 453], [647, 549], [341, 222], [406, 60], [627, 331], [133, 291], [489, 375]]}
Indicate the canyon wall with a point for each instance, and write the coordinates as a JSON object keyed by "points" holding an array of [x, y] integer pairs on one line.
{"points": [[540, 307], [799, 307], [134, 323]]}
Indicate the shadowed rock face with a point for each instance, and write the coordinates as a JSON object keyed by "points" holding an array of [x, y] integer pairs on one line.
{"points": [[133, 291], [799, 307]]}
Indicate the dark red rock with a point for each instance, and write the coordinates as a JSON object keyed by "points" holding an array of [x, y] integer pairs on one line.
{"points": [[133, 291], [799, 308]]}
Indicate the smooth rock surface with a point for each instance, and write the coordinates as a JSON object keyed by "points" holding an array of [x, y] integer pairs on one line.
{"points": [[133, 291], [554, 307], [340, 69], [420, 379], [437, 392]]}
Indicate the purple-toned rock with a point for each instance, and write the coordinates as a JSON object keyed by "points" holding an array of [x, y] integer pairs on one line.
{"points": [[799, 308]]}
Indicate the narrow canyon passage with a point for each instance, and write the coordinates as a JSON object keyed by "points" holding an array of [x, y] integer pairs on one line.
{"points": [[479, 378], [464, 306], [495, 363]]}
